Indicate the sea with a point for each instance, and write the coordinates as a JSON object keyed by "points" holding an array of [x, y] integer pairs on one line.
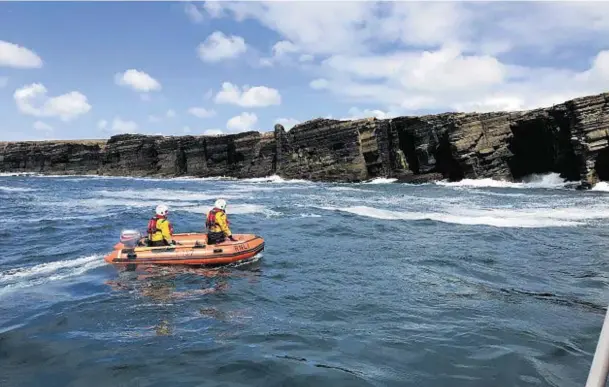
{"points": [[474, 283]]}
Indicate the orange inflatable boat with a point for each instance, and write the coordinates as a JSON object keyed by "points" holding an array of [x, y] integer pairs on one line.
{"points": [[191, 249]]}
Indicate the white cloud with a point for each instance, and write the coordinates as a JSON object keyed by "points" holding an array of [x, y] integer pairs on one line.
{"points": [[285, 52], [287, 123], [314, 27], [407, 57], [3, 82], [214, 8], [218, 47], [284, 47], [448, 80], [186, 130], [241, 123], [213, 132], [33, 100], [153, 119], [102, 124], [13, 55], [137, 80], [170, 113], [193, 13], [201, 112], [266, 62], [43, 127], [123, 126], [257, 96], [486, 27], [319, 84]]}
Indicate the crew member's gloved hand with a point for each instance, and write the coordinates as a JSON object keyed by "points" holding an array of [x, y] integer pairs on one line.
{"points": [[232, 238]]}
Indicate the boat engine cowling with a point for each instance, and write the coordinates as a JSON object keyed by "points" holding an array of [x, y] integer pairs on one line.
{"points": [[130, 238]]}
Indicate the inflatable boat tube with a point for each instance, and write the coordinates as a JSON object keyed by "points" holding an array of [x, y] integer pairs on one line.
{"points": [[192, 249]]}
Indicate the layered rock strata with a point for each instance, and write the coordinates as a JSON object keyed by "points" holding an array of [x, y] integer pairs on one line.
{"points": [[571, 139]]}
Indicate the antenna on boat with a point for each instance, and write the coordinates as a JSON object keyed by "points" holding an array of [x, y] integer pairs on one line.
{"points": [[600, 362]]}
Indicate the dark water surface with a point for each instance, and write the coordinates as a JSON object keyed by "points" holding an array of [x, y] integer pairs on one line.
{"points": [[486, 284]]}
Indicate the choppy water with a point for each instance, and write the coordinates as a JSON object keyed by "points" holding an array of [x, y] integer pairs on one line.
{"points": [[478, 283]]}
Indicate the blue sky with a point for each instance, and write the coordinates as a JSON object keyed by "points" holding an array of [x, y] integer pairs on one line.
{"points": [[73, 70]]}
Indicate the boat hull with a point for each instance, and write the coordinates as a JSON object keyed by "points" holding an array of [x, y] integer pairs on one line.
{"points": [[192, 249]]}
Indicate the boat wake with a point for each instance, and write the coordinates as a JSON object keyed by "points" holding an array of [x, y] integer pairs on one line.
{"points": [[24, 277]]}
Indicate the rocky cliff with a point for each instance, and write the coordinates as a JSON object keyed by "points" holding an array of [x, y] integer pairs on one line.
{"points": [[571, 139]]}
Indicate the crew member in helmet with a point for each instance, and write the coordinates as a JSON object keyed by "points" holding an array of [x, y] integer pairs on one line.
{"points": [[217, 224], [160, 230]]}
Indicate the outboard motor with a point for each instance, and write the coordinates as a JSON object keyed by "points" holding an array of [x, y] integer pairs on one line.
{"points": [[130, 238]]}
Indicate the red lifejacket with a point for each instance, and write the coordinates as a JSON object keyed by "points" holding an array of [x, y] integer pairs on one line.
{"points": [[211, 218], [152, 229]]}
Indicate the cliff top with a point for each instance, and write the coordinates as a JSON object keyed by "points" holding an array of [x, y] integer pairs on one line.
{"points": [[78, 142]]}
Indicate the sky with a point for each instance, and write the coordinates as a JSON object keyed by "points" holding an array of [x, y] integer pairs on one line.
{"points": [[85, 70]]}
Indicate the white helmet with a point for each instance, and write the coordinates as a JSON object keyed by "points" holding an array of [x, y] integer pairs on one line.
{"points": [[161, 210], [221, 204]]}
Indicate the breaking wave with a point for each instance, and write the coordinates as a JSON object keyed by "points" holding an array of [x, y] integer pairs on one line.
{"points": [[549, 181], [16, 189], [381, 180], [240, 209], [602, 186], [349, 189], [274, 179], [165, 194], [522, 218], [48, 272]]}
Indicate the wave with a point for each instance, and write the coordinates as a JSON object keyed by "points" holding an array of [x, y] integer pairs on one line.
{"points": [[549, 181], [14, 174], [522, 218], [274, 179], [164, 194], [47, 272], [310, 215], [16, 189], [240, 209], [95, 203], [602, 186], [381, 180], [349, 189]]}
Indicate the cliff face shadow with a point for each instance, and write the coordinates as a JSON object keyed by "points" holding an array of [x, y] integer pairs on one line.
{"points": [[601, 166], [406, 143], [542, 145], [446, 164], [534, 148]]}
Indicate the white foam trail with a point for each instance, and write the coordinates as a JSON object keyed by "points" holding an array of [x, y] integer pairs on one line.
{"points": [[549, 181], [97, 203], [310, 216], [380, 180], [47, 272], [274, 179], [602, 186], [16, 189], [534, 218], [349, 189], [13, 174], [236, 209], [214, 178], [164, 194]]}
